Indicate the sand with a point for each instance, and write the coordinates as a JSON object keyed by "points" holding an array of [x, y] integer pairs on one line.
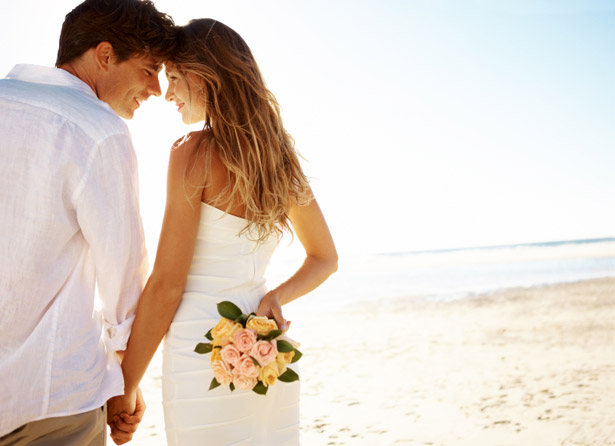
{"points": [[531, 366]]}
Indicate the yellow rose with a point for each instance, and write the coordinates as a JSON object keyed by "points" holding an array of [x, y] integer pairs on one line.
{"points": [[223, 331], [215, 355], [269, 374], [262, 325], [281, 367], [285, 358]]}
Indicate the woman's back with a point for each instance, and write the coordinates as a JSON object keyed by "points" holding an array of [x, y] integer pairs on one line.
{"points": [[226, 265]]}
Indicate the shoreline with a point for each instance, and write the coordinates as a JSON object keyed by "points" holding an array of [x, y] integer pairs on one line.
{"points": [[513, 367]]}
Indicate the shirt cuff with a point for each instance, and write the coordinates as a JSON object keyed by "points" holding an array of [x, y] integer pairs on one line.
{"points": [[116, 336]]}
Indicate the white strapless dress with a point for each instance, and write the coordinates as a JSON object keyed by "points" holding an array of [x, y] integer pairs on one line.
{"points": [[225, 266]]}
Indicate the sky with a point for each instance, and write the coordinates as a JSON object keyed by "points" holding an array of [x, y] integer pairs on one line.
{"points": [[424, 124]]}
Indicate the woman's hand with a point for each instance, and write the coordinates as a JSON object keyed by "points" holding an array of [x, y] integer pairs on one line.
{"points": [[122, 424], [270, 306], [320, 262]]}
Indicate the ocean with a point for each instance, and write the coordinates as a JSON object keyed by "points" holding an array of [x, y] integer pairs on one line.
{"points": [[452, 273]]}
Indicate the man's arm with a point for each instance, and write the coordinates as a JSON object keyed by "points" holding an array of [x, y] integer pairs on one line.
{"points": [[107, 209], [108, 214]]}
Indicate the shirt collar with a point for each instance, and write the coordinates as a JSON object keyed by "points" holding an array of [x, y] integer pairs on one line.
{"points": [[48, 75]]}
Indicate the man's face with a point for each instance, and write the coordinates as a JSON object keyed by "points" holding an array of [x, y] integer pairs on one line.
{"points": [[129, 83]]}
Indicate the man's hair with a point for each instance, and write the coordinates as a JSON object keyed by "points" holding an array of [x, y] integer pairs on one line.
{"points": [[132, 27]]}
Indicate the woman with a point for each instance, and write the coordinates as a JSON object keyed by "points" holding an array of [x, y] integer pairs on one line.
{"points": [[232, 189]]}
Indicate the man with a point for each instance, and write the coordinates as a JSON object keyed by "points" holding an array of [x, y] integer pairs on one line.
{"points": [[69, 219]]}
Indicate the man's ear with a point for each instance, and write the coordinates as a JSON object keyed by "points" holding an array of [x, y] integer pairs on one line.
{"points": [[104, 55]]}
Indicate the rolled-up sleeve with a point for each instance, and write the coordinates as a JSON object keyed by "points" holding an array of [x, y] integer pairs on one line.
{"points": [[107, 204]]}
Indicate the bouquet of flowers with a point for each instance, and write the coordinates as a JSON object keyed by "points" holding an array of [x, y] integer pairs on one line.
{"points": [[248, 352]]}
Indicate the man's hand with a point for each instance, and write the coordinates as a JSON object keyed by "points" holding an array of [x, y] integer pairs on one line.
{"points": [[124, 413]]}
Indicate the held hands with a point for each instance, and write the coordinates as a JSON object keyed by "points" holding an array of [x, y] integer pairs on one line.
{"points": [[123, 426], [270, 307]]}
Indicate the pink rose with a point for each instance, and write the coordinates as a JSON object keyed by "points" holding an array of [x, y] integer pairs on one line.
{"points": [[244, 382], [245, 339], [230, 354], [264, 352], [246, 367], [222, 372]]}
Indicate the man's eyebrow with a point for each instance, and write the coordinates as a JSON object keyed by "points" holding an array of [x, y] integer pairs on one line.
{"points": [[154, 66]]}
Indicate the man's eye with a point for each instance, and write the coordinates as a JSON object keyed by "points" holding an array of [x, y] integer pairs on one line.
{"points": [[149, 73]]}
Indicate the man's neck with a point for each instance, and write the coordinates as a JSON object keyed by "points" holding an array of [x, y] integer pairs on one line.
{"points": [[81, 73]]}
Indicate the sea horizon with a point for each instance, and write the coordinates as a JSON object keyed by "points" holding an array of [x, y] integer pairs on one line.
{"points": [[550, 243], [457, 273]]}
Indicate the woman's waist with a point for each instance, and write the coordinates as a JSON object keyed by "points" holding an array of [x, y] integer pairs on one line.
{"points": [[200, 303], [198, 313], [224, 285]]}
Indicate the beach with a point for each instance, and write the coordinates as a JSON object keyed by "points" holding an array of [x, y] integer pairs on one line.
{"points": [[522, 366]]}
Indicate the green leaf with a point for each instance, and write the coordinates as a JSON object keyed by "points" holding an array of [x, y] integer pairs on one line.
{"points": [[214, 384], [242, 319], [255, 362], [297, 356], [229, 310], [232, 387], [272, 335], [209, 336], [288, 376], [260, 388], [203, 348], [285, 346]]}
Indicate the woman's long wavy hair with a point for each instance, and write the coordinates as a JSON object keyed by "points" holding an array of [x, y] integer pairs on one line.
{"points": [[242, 119]]}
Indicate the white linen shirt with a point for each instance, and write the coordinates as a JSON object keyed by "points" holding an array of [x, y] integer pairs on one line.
{"points": [[69, 220]]}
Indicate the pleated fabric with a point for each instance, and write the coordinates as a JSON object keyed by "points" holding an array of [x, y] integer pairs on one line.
{"points": [[225, 266]]}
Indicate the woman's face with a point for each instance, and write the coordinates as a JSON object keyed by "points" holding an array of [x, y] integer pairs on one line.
{"points": [[187, 93]]}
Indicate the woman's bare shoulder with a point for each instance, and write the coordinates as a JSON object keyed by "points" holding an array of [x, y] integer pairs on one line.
{"points": [[188, 159], [193, 140]]}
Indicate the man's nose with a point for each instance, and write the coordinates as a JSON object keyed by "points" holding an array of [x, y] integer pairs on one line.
{"points": [[154, 87]]}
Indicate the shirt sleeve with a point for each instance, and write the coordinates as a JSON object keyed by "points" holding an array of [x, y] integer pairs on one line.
{"points": [[108, 214]]}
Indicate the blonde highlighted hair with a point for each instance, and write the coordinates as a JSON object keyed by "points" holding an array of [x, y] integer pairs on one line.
{"points": [[244, 126]]}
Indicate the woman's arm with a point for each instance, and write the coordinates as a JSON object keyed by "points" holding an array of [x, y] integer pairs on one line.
{"points": [[165, 286], [320, 261]]}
